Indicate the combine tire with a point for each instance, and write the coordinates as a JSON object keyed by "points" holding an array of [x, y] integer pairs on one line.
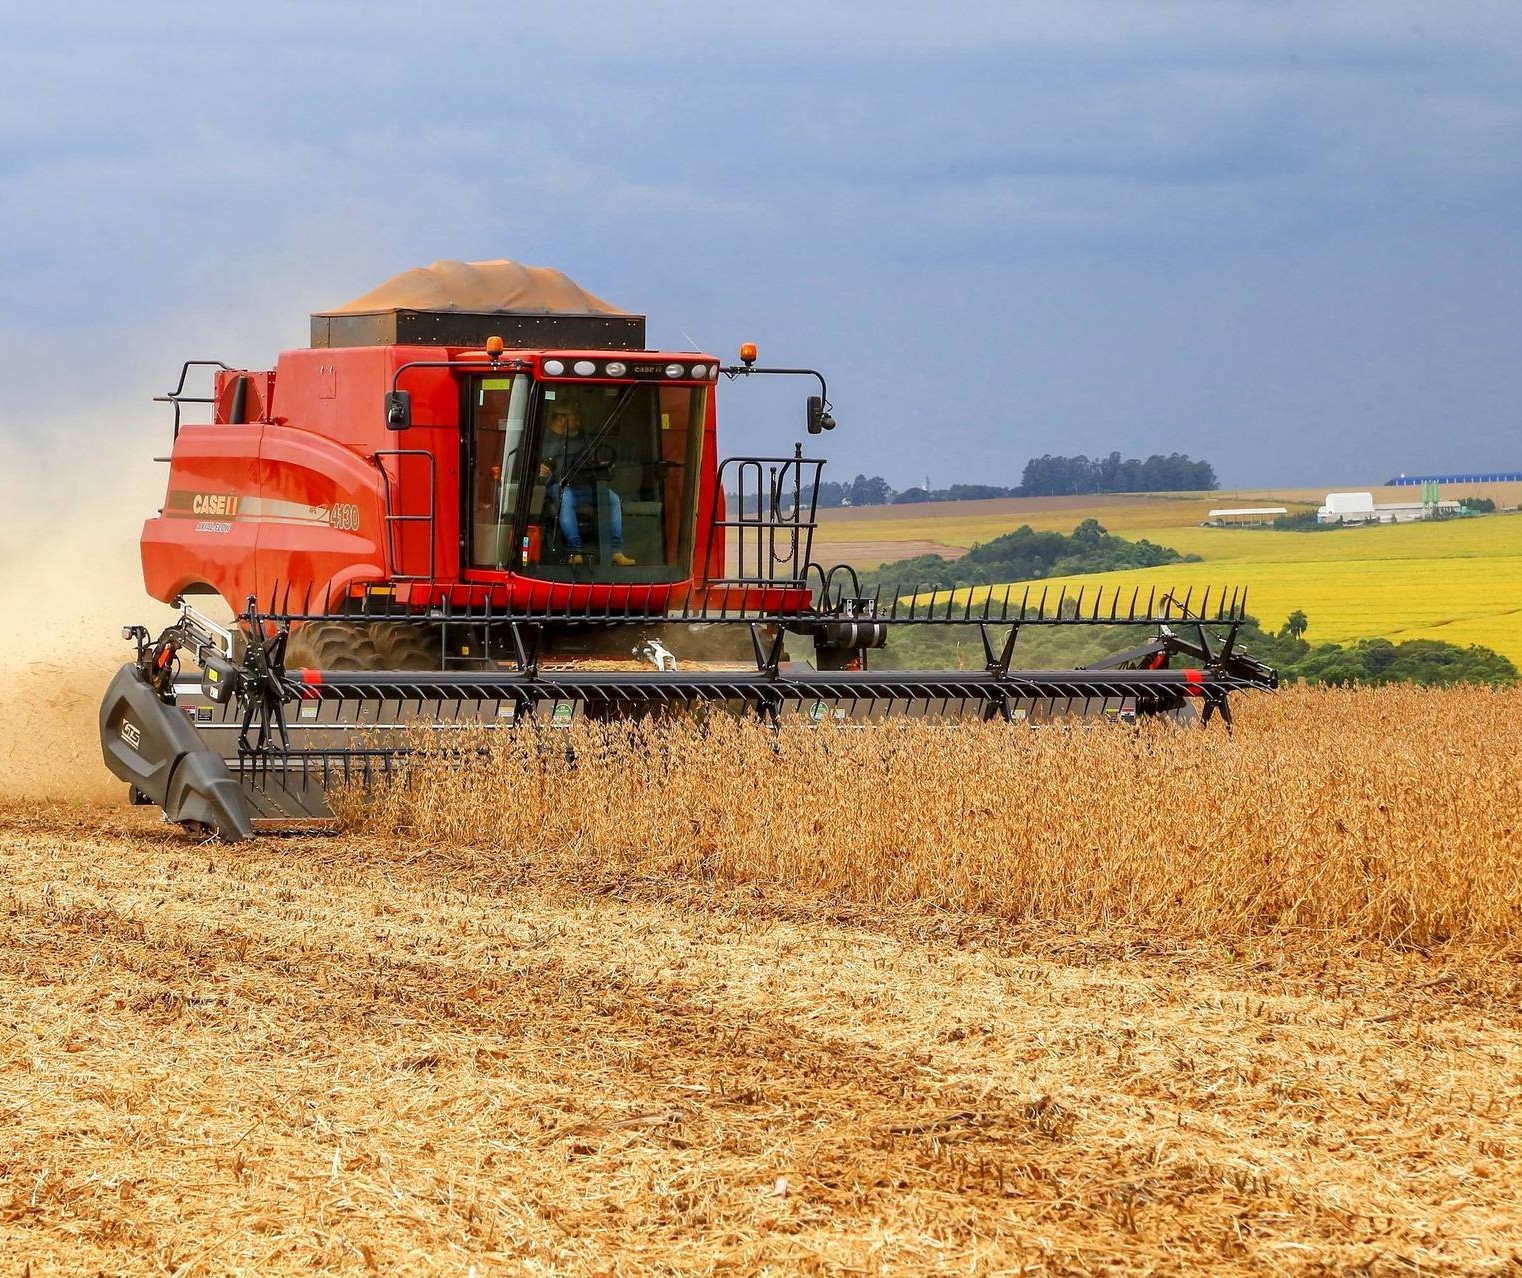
{"points": [[405, 645], [348, 645], [330, 645]]}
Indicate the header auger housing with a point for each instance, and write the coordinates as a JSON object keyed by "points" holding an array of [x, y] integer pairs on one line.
{"points": [[476, 499]]}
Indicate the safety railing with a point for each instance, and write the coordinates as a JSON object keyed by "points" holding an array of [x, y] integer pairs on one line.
{"points": [[178, 396], [769, 535], [397, 517]]}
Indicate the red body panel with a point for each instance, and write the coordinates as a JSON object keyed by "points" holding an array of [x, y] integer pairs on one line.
{"points": [[195, 543], [296, 498]]}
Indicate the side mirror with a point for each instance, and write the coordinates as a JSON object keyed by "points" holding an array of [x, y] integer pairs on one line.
{"points": [[398, 410], [819, 419]]}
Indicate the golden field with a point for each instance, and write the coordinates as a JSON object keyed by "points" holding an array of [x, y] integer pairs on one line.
{"points": [[1455, 580], [908, 1000], [1077, 822], [983, 1002]]}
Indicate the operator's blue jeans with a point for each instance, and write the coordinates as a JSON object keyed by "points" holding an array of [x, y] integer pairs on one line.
{"points": [[570, 498]]}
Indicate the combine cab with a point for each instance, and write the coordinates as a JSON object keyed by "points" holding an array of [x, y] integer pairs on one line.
{"points": [[476, 498]]}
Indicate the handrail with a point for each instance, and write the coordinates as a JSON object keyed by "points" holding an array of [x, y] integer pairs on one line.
{"points": [[393, 518], [177, 396], [775, 540]]}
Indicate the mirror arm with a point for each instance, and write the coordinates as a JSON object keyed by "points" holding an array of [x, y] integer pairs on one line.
{"points": [[487, 365], [818, 420], [745, 370]]}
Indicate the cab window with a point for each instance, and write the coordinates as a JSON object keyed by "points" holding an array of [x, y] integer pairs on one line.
{"points": [[613, 482]]}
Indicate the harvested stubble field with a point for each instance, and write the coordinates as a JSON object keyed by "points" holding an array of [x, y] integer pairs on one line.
{"points": [[990, 1001]]}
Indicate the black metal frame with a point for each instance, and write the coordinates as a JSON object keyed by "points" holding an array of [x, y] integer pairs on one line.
{"points": [[780, 533], [390, 487], [1221, 668], [177, 396]]}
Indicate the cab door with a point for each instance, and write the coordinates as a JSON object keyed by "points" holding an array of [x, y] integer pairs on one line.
{"points": [[496, 458]]}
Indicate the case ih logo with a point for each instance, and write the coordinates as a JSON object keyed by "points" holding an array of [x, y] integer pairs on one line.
{"points": [[224, 504]]}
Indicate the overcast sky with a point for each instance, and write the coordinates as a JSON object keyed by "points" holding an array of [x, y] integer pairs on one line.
{"points": [[1285, 237]]}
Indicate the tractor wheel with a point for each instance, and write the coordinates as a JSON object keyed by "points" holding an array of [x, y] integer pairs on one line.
{"points": [[406, 645], [330, 645], [376, 645]]}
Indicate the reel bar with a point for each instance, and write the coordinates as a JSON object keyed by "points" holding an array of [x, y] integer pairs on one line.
{"points": [[914, 605], [251, 744], [791, 682]]}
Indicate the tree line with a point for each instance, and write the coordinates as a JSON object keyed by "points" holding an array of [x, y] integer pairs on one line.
{"points": [[1046, 476], [1051, 476], [1429, 662], [1027, 555]]}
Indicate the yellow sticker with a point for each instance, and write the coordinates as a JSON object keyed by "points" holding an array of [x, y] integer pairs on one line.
{"points": [[496, 383], [665, 421]]}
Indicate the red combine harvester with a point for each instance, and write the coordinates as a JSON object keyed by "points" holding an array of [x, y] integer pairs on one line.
{"points": [[476, 498]]}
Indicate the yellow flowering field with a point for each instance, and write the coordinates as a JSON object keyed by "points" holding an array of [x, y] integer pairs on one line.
{"points": [[1461, 601], [1458, 580]]}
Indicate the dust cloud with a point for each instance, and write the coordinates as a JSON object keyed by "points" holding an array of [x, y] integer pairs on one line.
{"points": [[71, 511]]}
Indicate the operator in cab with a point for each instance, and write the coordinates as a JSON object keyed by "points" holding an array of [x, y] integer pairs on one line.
{"points": [[569, 465]]}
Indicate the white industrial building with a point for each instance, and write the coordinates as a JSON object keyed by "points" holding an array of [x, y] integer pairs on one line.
{"points": [[1361, 508]]}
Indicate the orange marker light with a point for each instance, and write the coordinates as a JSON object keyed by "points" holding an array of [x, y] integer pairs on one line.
{"points": [[494, 348], [747, 352]]}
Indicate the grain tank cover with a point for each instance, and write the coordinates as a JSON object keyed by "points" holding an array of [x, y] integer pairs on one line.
{"points": [[464, 303]]}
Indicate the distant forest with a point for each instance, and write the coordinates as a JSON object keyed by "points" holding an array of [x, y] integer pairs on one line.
{"points": [[1027, 555], [1046, 476]]}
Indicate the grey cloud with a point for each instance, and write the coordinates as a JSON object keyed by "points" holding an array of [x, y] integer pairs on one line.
{"points": [[1003, 229]]}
